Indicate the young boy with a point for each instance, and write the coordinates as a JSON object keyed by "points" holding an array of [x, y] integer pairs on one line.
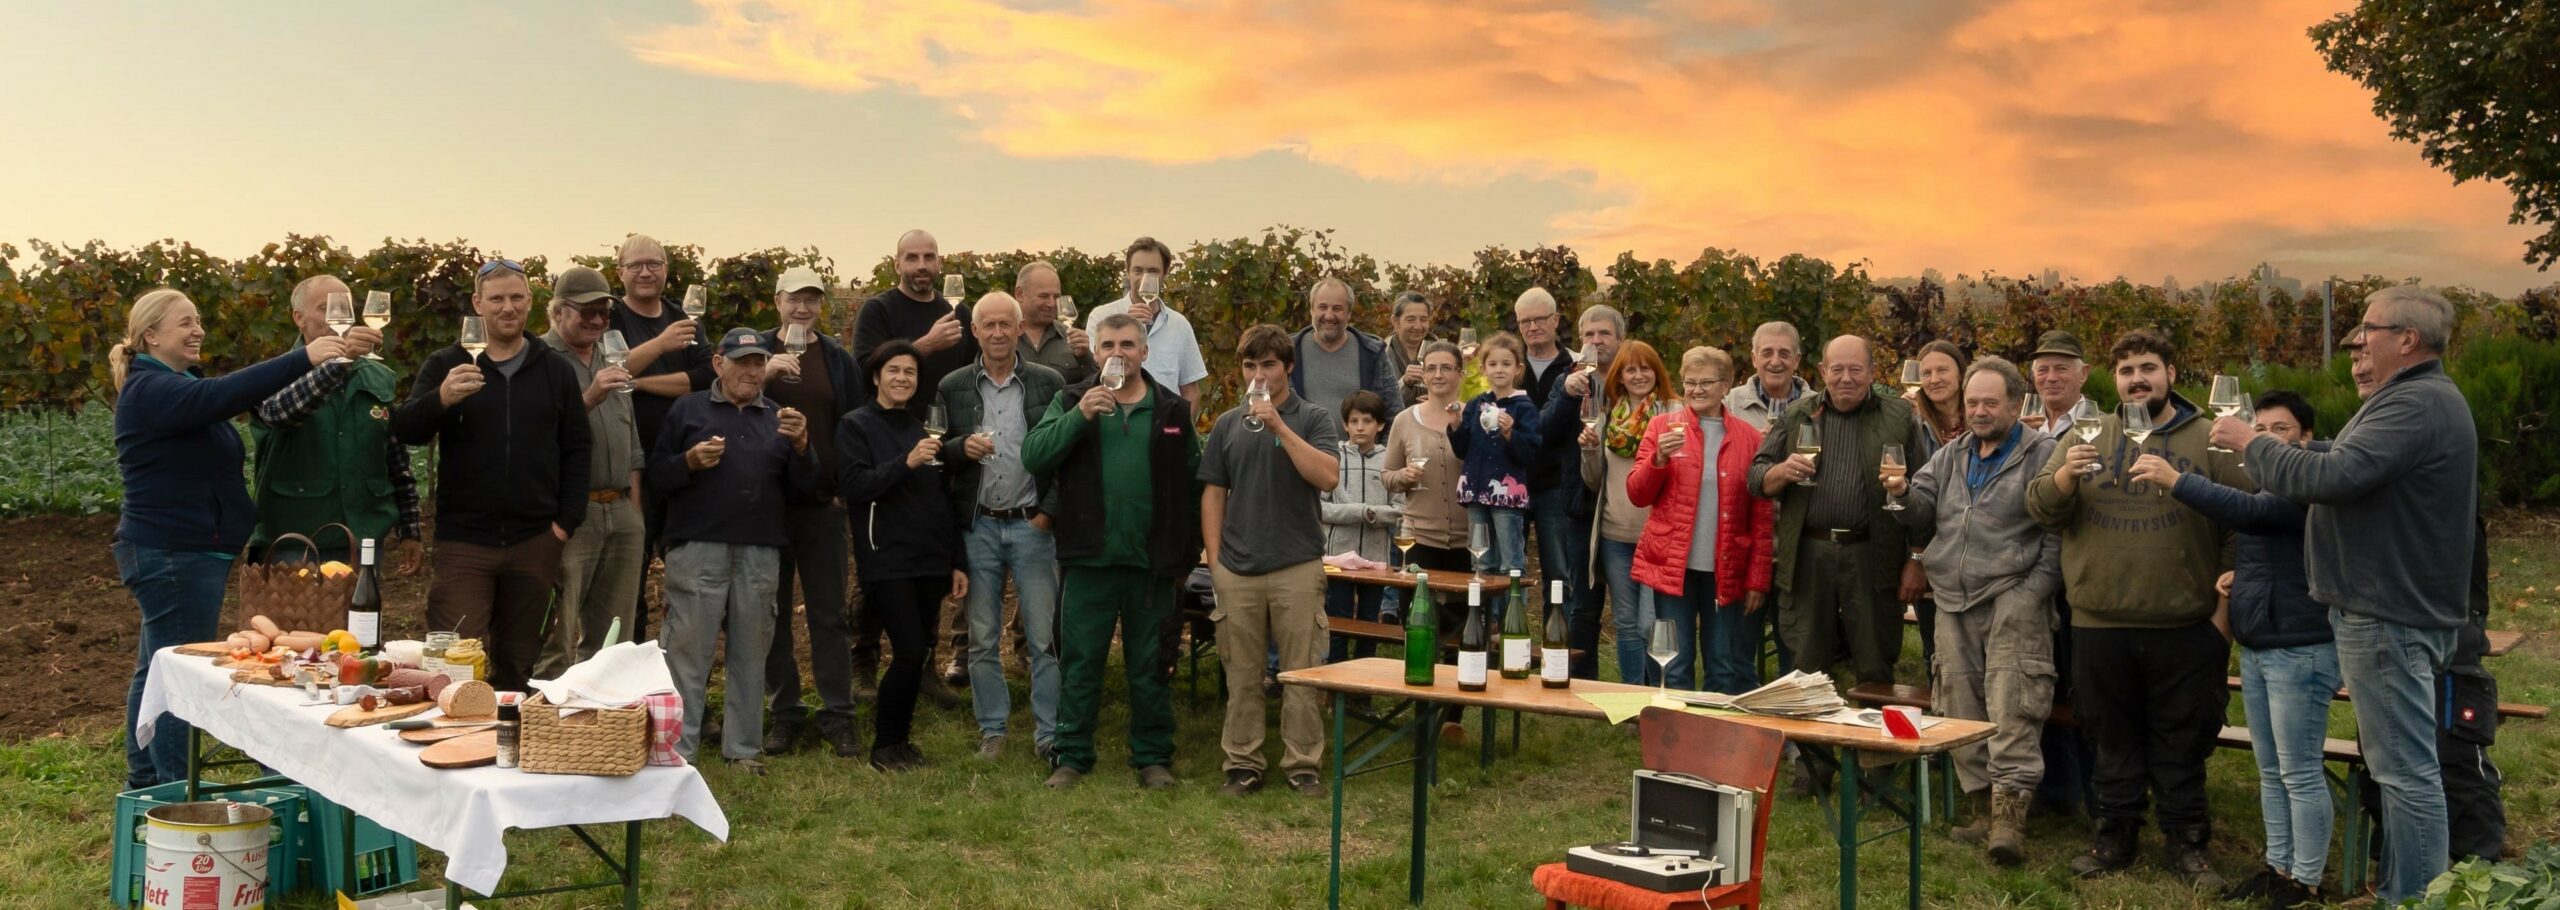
{"points": [[1360, 515]]}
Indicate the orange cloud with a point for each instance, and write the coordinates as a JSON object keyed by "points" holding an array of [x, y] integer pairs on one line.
{"points": [[2102, 137]]}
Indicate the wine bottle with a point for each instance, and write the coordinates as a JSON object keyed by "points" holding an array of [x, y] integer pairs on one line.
{"points": [[364, 607], [1515, 631], [1557, 672], [1471, 643], [1421, 639]]}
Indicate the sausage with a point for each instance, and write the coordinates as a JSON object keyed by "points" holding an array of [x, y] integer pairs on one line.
{"points": [[300, 641], [259, 642], [237, 641], [265, 626]]}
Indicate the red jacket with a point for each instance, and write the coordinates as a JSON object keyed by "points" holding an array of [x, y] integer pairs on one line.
{"points": [[1744, 523]]}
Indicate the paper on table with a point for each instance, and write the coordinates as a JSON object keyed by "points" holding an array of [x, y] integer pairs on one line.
{"points": [[617, 676], [1621, 707]]}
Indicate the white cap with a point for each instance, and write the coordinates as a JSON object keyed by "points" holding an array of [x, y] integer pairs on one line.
{"points": [[800, 277]]}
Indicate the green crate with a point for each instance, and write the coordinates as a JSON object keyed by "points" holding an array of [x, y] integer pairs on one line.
{"points": [[383, 860], [284, 853]]}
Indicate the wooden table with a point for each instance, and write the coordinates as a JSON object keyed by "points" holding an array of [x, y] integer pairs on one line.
{"points": [[1443, 582], [1380, 677]]}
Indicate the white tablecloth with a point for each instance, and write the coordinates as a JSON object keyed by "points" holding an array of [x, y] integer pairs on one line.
{"points": [[462, 813]]}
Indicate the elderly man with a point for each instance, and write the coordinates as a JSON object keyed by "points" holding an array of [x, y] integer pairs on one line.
{"points": [[600, 569], [1992, 572], [1775, 349], [2060, 370], [1602, 328], [1411, 319], [510, 427], [1173, 351], [823, 383], [2389, 540], [1335, 359], [2147, 659], [1065, 349], [914, 311], [669, 359], [324, 443], [990, 404], [729, 464]]}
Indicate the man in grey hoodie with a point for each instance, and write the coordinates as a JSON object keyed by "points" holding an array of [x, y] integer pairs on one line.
{"points": [[2388, 540], [1993, 571]]}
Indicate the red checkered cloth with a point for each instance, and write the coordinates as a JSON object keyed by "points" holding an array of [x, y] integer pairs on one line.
{"points": [[666, 725]]}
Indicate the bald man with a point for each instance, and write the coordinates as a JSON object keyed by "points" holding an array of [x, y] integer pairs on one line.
{"points": [[324, 441], [914, 311]]}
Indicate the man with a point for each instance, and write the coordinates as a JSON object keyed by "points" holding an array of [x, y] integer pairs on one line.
{"points": [[2146, 659], [914, 311], [1774, 385], [1841, 561], [1173, 352], [669, 359], [728, 463], [1992, 572], [1411, 317], [1266, 478], [1554, 476], [1601, 328], [990, 404], [1333, 358], [823, 383], [510, 428], [325, 451], [1128, 530], [601, 568], [2060, 373], [2059, 370], [2389, 537], [1064, 349]]}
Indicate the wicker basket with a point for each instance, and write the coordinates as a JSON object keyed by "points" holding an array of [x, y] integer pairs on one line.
{"points": [[610, 742], [296, 603]]}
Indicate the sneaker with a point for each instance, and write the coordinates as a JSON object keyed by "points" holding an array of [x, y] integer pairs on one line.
{"points": [[747, 766], [1159, 777], [2287, 894], [1242, 782], [1064, 778], [845, 742], [991, 746], [781, 738], [1307, 784], [1047, 753], [954, 674], [897, 758], [2255, 888]]}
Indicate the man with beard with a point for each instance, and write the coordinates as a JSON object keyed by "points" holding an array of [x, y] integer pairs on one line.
{"points": [[1334, 359], [914, 312]]}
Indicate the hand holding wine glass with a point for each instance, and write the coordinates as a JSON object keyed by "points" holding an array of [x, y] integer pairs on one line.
{"points": [[616, 352], [1257, 400], [697, 303], [1892, 474], [937, 421], [377, 315], [1115, 376], [2226, 400], [341, 314], [1807, 448], [795, 342]]}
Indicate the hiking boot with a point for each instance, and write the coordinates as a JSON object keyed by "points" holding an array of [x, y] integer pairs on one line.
{"points": [[1047, 753], [1160, 777], [991, 747], [843, 740], [1242, 782], [2008, 839], [2255, 889], [781, 738], [898, 758], [2287, 894], [747, 766], [2188, 858], [1064, 778], [866, 676], [2110, 851], [1307, 784], [1976, 830]]}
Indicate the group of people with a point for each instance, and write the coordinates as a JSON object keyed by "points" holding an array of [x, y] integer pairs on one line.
{"points": [[2056, 556]]}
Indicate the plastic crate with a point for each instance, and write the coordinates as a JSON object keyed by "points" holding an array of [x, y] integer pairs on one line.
{"points": [[284, 852], [384, 860]]}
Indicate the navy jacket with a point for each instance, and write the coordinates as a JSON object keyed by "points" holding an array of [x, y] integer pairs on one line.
{"points": [[2271, 604], [180, 457], [1560, 444], [903, 525], [741, 500]]}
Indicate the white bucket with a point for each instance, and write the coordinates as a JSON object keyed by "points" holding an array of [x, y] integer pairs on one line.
{"points": [[206, 856]]}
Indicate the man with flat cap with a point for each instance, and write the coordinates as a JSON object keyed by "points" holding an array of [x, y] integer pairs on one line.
{"points": [[601, 566]]}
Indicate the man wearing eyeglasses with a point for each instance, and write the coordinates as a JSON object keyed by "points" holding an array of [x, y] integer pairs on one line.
{"points": [[669, 359], [511, 435], [2389, 541], [600, 569]]}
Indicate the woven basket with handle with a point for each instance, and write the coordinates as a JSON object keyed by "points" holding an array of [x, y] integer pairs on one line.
{"points": [[279, 590], [610, 742]]}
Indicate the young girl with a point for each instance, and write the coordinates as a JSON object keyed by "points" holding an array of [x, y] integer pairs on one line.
{"points": [[1360, 513], [1495, 440]]}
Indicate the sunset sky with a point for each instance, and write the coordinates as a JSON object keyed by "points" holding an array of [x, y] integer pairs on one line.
{"points": [[2098, 137]]}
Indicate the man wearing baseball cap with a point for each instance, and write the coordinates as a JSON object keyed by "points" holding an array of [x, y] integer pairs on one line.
{"points": [[823, 382], [600, 568], [728, 464]]}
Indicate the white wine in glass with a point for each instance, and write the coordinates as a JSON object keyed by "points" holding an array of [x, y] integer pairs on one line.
{"points": [[697, 303], [1466, 339], [795, 342], [2137, 422], [1066, 312], [1894, 467], [474, 338], [2226, 400], [1115, 375], [1809, 445], [2033, 409], [1404, 541], [2087, 427], [936, 422], [1911, 375], [1254, 394], [342, 316], [954, 288], [1151, 292], [616, 352], [377, 316]]}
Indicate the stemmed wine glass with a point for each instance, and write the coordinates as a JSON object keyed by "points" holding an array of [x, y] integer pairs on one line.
{"points": [[1893, 467], [1254, 394], [377, 316], [1151, 293], [1404, 542], [795, 342], [1809, 445], [2136, 418], [2226, 400], [2034, 409], [616, 352], [342, 316], [1911, 375], [474, 338], [1115, 374], [1067, 311], [697, 301], [954, 288], [1479, 542], [2087, 426], [1665, 646], [1466, 340], [936, 422]]}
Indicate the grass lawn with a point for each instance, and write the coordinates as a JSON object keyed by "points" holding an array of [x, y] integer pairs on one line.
{"points": [[823, 832]]}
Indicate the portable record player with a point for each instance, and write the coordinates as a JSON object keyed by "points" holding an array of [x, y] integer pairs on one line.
{"points": [[1684, 832], [1643, 867]]}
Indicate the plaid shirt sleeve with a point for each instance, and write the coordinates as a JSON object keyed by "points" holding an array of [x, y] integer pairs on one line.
{"points": [[404, 489], [287, 409]]}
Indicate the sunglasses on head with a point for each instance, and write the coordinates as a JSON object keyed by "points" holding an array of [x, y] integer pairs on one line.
{"points": [[497, 265]]}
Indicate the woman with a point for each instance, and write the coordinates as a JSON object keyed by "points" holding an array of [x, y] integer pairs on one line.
{"points": [[186, 511], [1706, 551], [1939, 404], [1421, 466], [1636, 387], [908, 539]]}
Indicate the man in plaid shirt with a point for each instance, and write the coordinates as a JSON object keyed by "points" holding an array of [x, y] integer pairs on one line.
{"points": [[325, 451]]}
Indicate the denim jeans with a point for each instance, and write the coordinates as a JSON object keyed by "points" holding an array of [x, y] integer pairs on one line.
{"points": [[180, 595], [1561, 553], [996, 548], [1345, 600], [2287, 692], [1721, 640], [1510, 538], [2392, 669], [1632, 616]]}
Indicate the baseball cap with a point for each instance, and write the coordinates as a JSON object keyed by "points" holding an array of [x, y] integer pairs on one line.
{"points": [[800, 278], [743, 342], [2058, 342], [583, 287]]}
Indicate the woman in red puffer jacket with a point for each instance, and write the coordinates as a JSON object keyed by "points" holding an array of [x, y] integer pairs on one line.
{"points": [[1707, 582]]}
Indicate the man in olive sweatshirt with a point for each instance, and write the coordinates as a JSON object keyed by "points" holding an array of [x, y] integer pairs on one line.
{"points": [[2147, 660]]}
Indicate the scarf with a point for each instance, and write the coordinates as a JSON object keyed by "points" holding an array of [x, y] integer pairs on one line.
{"points": [[1624, 429]]}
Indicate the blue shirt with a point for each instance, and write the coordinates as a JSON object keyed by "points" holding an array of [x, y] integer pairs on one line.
{"points": [[1980, 468], [741, 499]]}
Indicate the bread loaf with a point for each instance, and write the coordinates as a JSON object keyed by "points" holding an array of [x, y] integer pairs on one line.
{"points": [[468, 698]]}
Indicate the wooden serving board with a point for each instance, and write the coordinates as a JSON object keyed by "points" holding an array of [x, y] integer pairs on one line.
{"points": [[431, 735], [258, 676], [470, 751], [214, 649], [357, 716]]}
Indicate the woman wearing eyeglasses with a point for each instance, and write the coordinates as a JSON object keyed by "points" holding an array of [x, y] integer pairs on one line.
{"points": [[1706, 551]]}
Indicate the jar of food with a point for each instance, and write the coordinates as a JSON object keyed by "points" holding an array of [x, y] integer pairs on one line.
{"points": [[466, 661], [439, 644]]}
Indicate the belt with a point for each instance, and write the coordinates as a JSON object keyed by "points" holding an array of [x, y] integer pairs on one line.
{"points": [[606, 496], [1021, 514], [1837, 535]]}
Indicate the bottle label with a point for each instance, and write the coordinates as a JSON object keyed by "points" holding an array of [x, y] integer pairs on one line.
{"points": [[1471, 668], [365, 626], [1559, 664], [1515, 654]]}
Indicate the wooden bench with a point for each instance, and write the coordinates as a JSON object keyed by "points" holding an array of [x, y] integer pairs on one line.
{"points": [[2355, 831], [2502, 641], [1908, 696], [2505, 709]]}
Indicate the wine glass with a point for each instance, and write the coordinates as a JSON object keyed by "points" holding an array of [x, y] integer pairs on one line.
{"points": [[2226, 400], [616, 352], [377, 316], [1893, 467], [936, 422], [697, 301], [1809, 445], [341, 314], [1404, 541], [2034, 409], [1479, 542], [474, 338], [1151, 291], [1674, 430], [1254, 394], [954, 288], [2136, 419], [1911, 375], [1067, 311], [1466, 339], [1115, 375], [2087, 426], [795, 342], [1665, 646]]}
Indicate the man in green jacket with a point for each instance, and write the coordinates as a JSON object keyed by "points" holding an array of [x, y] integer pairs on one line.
{"points": [[325, 452], [2147, 660], [1128, 528]]}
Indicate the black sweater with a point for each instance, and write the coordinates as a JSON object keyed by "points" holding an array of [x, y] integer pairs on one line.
{"points": [[903, 526], [512, 458]]}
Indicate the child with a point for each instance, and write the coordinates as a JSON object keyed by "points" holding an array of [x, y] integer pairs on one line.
{"points": [[1494, 463], [1360, 515]]}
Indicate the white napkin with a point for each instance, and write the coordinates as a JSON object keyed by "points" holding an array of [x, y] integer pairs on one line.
{"points": [[617, 676]]}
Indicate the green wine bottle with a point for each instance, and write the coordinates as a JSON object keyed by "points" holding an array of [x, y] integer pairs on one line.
{"points": [[1515, 631], [1421, 639]]}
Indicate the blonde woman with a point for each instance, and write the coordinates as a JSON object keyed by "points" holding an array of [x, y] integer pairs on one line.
{"points": [[186, 510]]}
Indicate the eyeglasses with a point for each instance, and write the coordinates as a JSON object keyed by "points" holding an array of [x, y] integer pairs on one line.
{"points": [[2370, 328], [1538, 320], [645, 265], [1699, 385], [497, 265]]}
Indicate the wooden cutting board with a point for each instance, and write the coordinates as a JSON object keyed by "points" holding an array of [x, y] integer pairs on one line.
{"points": [[213, 649], [357, 716], [431, 735], [469, 751]]}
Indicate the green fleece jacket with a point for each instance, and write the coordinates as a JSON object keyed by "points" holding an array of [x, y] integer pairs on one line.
{"points": [[2132, 557]]}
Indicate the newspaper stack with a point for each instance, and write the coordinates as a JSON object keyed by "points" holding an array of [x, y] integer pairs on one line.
{"points": [[1799, 694]]}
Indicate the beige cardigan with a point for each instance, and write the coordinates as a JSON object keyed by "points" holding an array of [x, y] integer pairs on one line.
{"points": [[1432, 508]]}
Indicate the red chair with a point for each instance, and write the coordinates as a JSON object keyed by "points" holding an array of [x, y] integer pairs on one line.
{"points": [[1735, 755]]}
